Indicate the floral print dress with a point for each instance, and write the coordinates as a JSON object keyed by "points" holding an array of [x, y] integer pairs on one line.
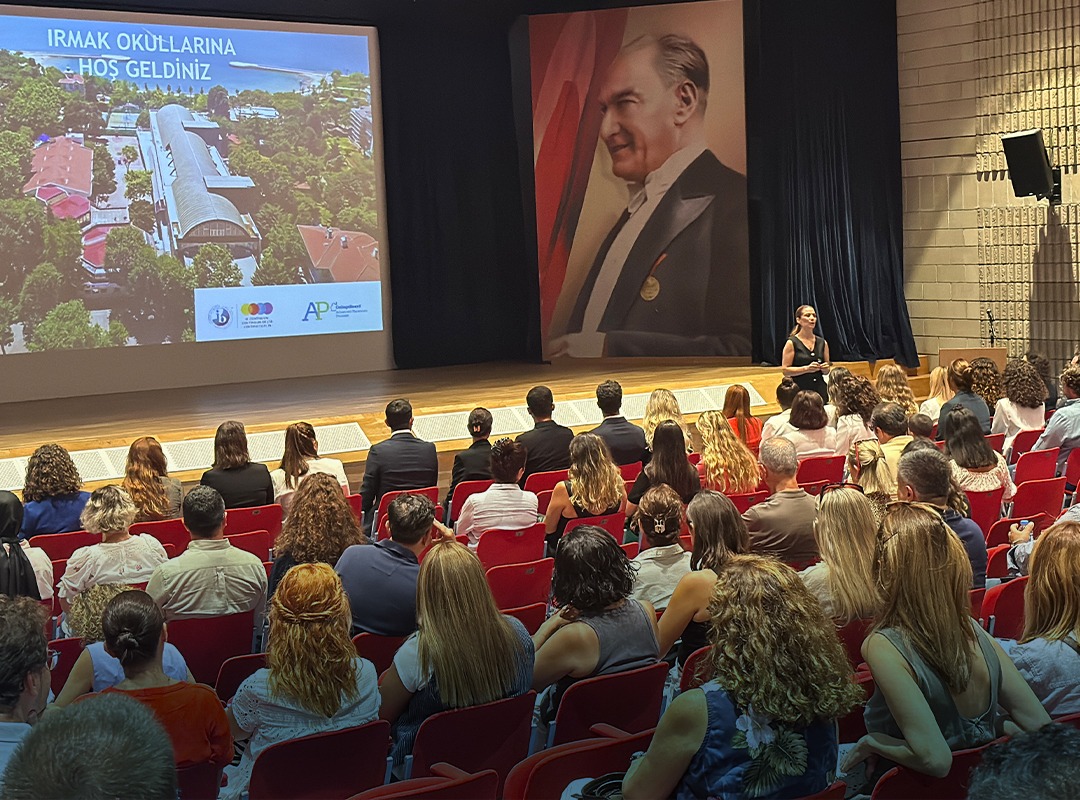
{"points": [[747, 755]]}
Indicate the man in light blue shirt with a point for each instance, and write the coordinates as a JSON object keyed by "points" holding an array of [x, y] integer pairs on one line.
{"points": [[24, 671], [1063, 429]]}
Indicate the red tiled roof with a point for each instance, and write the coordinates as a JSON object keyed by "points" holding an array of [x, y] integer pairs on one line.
{"points": [[64, 163], [357, 262], [71, 207], [47, 194], [94, 244]]}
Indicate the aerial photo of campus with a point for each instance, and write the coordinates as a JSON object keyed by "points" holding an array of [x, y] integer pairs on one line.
{"points": [[139, 162]]}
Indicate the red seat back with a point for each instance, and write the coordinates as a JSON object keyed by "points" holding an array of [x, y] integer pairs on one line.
{"points": [[815, 487], [69, 650], [545, 481], [997, 562], [901, 783], [199, 781], [480, 786], [612, 523], [463, 491], [258, 518], [820, 468], [834, 792], [166, 531], [515, 585], [257, 543], [852, 636], [852, 726], [1003, 609], [985, 507], [356, 503], [1038, 497], [744, 501], [1072, 467], [532, 617], [630, 471], [208, 642], [695, 670], [631, 549], [976, 598], [999, 531], [1023, 442], [59, 546], [694, 458], [499, 547], [996, 441], [379, 650], [604, 699], [235, 671], [1036, 466], [349, 761], [543, 499]]}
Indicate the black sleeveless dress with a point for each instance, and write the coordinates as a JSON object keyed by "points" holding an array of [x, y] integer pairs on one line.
{"points": [[810, 381]]}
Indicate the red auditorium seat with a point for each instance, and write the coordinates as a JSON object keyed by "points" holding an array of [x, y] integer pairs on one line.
{"points": [[603, 699], [1037, 465], [166, 531], [695, 670], [985, 507], [235, 671], [1035, 497], [997, 564], [59, 546], [1003, 609], [199, 781], [379, 650], [516, 585], [996, 441], [545, 481], [744, 501], [430, 492], [1023, 443], [821, 468], [499, 547], [208, 642], [257, 543], [900, 783], [462, 492], [258, 518], [68, 650], [612, 523], [449, 783], [999, 531]]}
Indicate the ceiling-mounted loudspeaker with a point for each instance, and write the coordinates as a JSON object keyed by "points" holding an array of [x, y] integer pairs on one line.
{"points": [[1029, 166]]}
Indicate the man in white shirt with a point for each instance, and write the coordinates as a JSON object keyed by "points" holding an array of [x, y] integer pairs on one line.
{"points": [[672, 277], [24, 671]]}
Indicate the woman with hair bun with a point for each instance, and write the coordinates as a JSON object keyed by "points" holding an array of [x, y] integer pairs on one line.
{"points": [[301, 459], [806, 355], [52, 496], [503, 505], [960, 378], [191, 713], [779, 424], [146, 479], [662, 561], [474, 463]]}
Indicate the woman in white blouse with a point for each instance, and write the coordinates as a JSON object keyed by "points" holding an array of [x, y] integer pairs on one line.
{"points": [[940, 393], [300, 459], [1022, 408], [975, 465], [812, 435]]}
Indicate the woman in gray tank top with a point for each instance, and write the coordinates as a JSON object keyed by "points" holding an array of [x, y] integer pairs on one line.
{"points": [[940, 679]]}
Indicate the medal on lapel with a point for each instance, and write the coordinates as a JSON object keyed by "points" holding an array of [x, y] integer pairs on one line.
{"points": [[650, 287]]}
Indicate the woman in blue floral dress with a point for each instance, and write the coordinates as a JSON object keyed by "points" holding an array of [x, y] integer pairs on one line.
{"points": [[764, 726]]}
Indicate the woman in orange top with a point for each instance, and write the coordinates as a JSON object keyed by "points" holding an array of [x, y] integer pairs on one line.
{"points": [[191, 713], [737, 410]]}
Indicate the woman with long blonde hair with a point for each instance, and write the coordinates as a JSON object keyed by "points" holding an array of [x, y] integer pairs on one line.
{"points": [[662, 405], [146, 479], [846, 533], [764, 725], [313, 681], [726, 465], [893, 387], [301, 459], [464, 653], [594, 487], [943, 674], [940, 393], [868, 468]]}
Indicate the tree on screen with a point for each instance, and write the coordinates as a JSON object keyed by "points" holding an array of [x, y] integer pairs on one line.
{"points": [[21, 223], [129, 155], [214, 267], [8, 317], [141, 214], [44, 290], [139, 185], [162, 298], [36, 105], [104, 174], [123, 247], [62, 247], [217, 101], [15, 157], [70, 327]]}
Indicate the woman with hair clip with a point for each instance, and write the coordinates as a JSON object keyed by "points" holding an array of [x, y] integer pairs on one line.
{"points": [[811, 433], [868, 468], [779, 424], [147, 481], [301, 459], [504, 505], [744, 424], [241, 482], [1048, 652], [669, 465], [940, 678], [940, 393], [806, 355], [718, 532], [464, 654], [593, 488], [25, 571], [893, 387], [846, 533], [191, 713], [1023, 408], [856, 399], [976, 467], [726, 465], [765, 724], [318, 530], [661, 561], [313, 681], [662, 405], [51, 493], [960, 380]]}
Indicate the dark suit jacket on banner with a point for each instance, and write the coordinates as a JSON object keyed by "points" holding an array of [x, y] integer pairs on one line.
{"points": [[699, 229]]}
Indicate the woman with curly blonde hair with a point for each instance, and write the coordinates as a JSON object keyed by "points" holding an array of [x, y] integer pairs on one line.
{"points": [[52, 500], [726, 465], [662, 405], [319, 528], [146, 479], [593, 488], [855, 401], [893, 387], [764, 726], [1022, 408], [313, 681], [940, 393]]}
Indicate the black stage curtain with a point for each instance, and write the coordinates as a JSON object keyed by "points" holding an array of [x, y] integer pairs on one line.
{"points": [[823, 133]]}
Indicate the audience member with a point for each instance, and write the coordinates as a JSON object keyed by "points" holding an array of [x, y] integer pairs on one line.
{"points": [[439, 666], [83, 619], [25, 664], [1063, 429], [846, 533], [812, 435], [986, 380], [726, 465], [598, 628], [1048, 653], [940, 393], [313, 681], [147, 481], [661, 561], [625, 440], [320, 527], [780, 679], [191, 713], [300, 460], [976, 467], [1023, 407], [1042, 367], [504, 504], [783, 525], [890, 426], [119, 557], [380, 578], [856, 399], [743, 424], [1029, 766], [867, 467], [662, 405], [779, 424], [718, 533], [401, 462], [241, 482], [920, 426], [836, 376], [25, 571], [473, 463], [131, 757], [893, 387], [211, 578], [548, 443], [940, 678], [593, 488], [925, 475], [52, 496], [669, 465], [960, 378]]}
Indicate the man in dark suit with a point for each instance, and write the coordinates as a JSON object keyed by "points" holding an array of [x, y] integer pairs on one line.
{"points": [[473, 464], [624, 439], [401, 462], [672, 276], [548, 442]]}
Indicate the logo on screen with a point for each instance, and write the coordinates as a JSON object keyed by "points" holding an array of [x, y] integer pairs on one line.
{"points": [[316, 309], [255, 309], [220, 317]]}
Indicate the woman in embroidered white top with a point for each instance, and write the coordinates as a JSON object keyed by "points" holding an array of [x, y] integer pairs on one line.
{"points": [[975, 465], [1022, 408]]}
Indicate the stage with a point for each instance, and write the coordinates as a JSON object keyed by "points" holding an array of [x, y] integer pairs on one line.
{"points": [[98, 429]]}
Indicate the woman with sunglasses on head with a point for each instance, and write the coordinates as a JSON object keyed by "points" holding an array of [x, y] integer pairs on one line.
{"points": [[940, 678]]}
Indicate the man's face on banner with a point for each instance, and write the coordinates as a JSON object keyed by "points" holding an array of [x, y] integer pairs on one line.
{"points": [[639, 115]]}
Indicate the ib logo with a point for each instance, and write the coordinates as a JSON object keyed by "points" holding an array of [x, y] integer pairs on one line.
{"points": [[255, 309], [316, 309], [220, 317]]}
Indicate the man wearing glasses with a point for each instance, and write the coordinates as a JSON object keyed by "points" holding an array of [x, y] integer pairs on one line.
{"points": [[25, 664]]}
